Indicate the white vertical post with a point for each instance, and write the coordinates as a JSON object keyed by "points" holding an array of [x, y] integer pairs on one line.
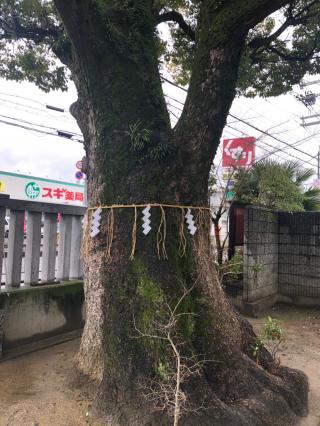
{"points": [[49, 248], [32, 257], [15, 248], [64, 248], [76, 236], [2, 235]]}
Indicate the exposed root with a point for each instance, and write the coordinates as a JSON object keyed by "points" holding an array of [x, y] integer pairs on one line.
{"points": [[239, 393]]}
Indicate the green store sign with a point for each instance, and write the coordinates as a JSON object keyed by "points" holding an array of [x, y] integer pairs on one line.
{"points": [[32, 190]]}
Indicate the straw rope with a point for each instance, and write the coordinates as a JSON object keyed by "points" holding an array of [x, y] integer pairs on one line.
{"points": [[110, 226], [134, 234], [161, 235], [124, 206], [182, 237], [200, 220]]}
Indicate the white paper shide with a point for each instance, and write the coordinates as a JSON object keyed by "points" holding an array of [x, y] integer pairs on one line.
{"points": [[190, 221], [146, 220], [95, 222]]}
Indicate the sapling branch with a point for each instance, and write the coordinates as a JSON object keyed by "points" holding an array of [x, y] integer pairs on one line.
{"points": [[166, 393]]}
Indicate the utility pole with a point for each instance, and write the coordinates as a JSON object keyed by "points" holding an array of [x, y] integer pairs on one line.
{"points": [[318, 157], [310, 123], [309, 83], [309, 99]]}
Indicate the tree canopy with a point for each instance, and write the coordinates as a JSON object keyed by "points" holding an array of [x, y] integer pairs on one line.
{"points": [[279, 51]]}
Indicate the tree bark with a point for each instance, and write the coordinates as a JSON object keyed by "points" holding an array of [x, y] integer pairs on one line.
{"points": [[114, 66]]}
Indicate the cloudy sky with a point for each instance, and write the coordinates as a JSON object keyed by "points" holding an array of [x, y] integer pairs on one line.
{"points": [[31, 152], [39, 154]]}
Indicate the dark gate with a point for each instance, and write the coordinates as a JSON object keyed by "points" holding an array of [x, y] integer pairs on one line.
{"points": [[236, 228]]}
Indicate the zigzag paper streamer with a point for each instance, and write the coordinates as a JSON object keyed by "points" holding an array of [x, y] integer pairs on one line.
{"points": [[189, 218], [146, 220], [95, 222]]}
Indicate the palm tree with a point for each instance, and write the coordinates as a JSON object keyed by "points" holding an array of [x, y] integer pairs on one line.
{"points": [[279, 186]]}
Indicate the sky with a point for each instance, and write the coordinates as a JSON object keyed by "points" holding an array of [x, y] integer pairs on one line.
{"points": [[43, 155], [30, 152]]}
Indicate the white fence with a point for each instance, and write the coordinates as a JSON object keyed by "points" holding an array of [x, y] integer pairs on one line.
{"points": [[39, 243]]}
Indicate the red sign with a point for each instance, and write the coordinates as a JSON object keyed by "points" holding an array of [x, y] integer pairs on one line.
{"points": [[62, 194], [238, 152]]}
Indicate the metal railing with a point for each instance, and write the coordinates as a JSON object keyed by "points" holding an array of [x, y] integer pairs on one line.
{"points": [[40, 243]]}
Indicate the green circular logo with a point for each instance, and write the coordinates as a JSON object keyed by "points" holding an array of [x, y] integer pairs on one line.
{"points": [[32, 190]]}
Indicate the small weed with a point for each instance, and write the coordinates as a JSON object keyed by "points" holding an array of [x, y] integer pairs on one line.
{"points": [[271, 338]]}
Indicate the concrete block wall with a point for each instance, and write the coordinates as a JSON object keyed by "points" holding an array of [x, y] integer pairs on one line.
{"points": [[299, 254], [260, 254], [281, 258]]}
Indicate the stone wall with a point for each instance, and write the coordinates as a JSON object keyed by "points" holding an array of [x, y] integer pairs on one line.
{"points": [[260, 254]]}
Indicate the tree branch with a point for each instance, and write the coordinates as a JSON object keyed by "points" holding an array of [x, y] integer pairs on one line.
{"points": [[265, 41], [221, 40], [175, 16], [35, 33], [47, 35], [290, 58], [292, 20]]}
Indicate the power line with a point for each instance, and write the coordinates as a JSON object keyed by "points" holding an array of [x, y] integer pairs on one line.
{"points": [[58, 133], [274, 152], [27, 108], [257, 141], [173, 99], [271, 136], [284, 150], [66, 132], [27, 128], [48, 106], [248, 124], [265, 143]]}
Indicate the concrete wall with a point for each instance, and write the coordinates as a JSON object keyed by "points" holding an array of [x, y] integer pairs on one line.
{"points": [[36, 313], [260, 254], [299, 254]]}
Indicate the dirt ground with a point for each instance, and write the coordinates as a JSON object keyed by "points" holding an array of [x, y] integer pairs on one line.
{"points": [[301, 349], [38, 389]]}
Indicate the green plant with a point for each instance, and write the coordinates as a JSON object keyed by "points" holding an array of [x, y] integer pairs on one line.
{"points": [[158, 152], [235, 265], [257, 267], [232, 269], [271, 338], [138, 135]]}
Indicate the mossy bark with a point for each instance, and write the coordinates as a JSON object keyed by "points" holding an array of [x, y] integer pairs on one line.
{"points": [[133, 157]]}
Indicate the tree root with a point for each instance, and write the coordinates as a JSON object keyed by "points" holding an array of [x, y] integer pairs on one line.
{"points": [[239, 392]]}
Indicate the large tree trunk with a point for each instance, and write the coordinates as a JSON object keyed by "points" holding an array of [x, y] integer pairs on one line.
{"points": [[116, 73]]}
